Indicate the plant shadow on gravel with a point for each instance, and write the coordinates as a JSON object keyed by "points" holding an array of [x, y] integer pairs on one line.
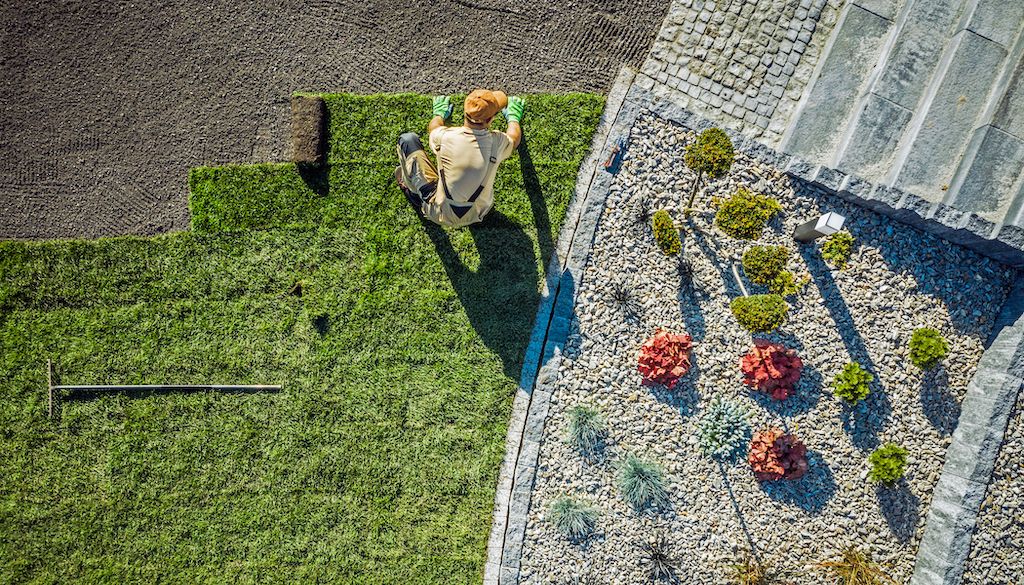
{"points": [[866, 420], [940, 406], [901, 509], [811, 492]]}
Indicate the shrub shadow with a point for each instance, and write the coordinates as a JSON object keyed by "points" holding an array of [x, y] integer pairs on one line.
{"points": [[901, 509], [811, 492], [940, 406]]}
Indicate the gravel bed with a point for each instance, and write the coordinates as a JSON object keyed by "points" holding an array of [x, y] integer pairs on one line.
{"points": [[997, 548], [899, 279]]}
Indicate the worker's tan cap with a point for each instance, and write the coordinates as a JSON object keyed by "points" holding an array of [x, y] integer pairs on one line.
{"points": [[483, 104]]}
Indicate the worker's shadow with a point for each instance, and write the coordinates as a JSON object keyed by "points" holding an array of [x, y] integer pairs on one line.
{"points": [[501, 296]]}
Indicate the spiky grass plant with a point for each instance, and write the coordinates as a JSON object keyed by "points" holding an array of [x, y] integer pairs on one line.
{"points": [[661, 563], [573, 518], [723, 430], [587, 428], [751, 571], [856, 568], [623, 299], [642, 483]]}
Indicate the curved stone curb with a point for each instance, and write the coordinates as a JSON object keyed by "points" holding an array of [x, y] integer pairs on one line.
{"points": [[551, 326], [971, 457]]}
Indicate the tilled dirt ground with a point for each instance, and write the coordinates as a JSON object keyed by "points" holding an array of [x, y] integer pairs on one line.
{"points": [[106, 104]]}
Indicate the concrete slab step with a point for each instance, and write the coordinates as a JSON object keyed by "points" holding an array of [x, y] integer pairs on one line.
{"points": [[927, 159], [843, 73], [908, 64]]}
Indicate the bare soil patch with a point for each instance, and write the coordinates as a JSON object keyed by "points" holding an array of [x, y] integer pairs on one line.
{"points": [[107, 104]]}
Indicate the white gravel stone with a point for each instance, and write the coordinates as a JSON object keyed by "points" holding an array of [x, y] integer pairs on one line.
{"points": [[898, 279]]}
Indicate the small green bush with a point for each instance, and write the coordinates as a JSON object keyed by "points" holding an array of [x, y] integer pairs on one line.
{"points": [[586, 428], [927, 348], [712, 154], [665, 233], [852, 384], [888, 463], [761, 264], [642, 483], [723, 430], [760, 313], [573, 518], [744, 215], [784, 284], [837, 248]]}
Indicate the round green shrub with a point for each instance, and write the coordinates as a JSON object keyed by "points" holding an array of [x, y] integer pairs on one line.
{"points": [[837, 248], [586, 428], [572, 518], [744, 215], [852, 384], [760, 313], [723, 430], [784, 284], [888, 464], [712, 154], [642, 483], [763, 263], [665, 233], [927, 348]]}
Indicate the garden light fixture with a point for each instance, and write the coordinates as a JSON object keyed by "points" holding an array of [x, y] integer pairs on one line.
{"points": [[825, 225]]}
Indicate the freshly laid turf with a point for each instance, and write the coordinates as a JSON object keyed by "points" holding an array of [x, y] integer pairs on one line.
{"points": [[398, 353]]}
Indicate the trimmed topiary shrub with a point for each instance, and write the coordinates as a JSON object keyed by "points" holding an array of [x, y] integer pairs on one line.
{"points": [[888, 464], [837, 248], [852, 384], [775, 455], [771, 368], [665, 357], [586, 428], [642, 483], [760, 313], [573, 518], [927, 348], [784, 284], [763, 263], [723, 430], [665, 233], [744, 215], [712, 154]]}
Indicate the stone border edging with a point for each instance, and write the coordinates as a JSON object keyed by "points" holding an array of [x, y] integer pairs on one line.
{"points": [[971, 457], [551, 326]]}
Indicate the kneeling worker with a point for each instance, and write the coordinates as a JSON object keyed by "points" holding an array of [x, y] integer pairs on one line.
{"points": [[460, 190]]}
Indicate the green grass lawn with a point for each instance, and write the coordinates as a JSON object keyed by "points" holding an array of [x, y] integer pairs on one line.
{"points": [[376, 463]]}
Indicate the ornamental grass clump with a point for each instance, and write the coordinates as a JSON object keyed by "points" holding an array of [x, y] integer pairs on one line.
{"points": [[745, 214], [751, 571], [665, 357], [776, 455], [927, 348], [723, 430], [771, 368], [642, 483], [665, 233], [587, 428], [855, 568], [712, 154], [657, 556], [888, 464], [837, 248], [574, 519], [853, 383], [760, 313]]}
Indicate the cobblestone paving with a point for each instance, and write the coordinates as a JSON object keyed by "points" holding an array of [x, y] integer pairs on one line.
{"points": [[742, 62]]}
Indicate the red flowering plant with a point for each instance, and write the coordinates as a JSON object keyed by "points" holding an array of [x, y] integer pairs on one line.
{"points": [[665, 358], [776, 455], [771, 368]]}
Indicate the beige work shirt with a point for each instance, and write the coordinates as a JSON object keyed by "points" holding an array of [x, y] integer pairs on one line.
{"points": [[464, 155]]}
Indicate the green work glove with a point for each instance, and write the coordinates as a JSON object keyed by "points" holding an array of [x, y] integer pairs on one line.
{"points": [[443, 106], [515, 109]]}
